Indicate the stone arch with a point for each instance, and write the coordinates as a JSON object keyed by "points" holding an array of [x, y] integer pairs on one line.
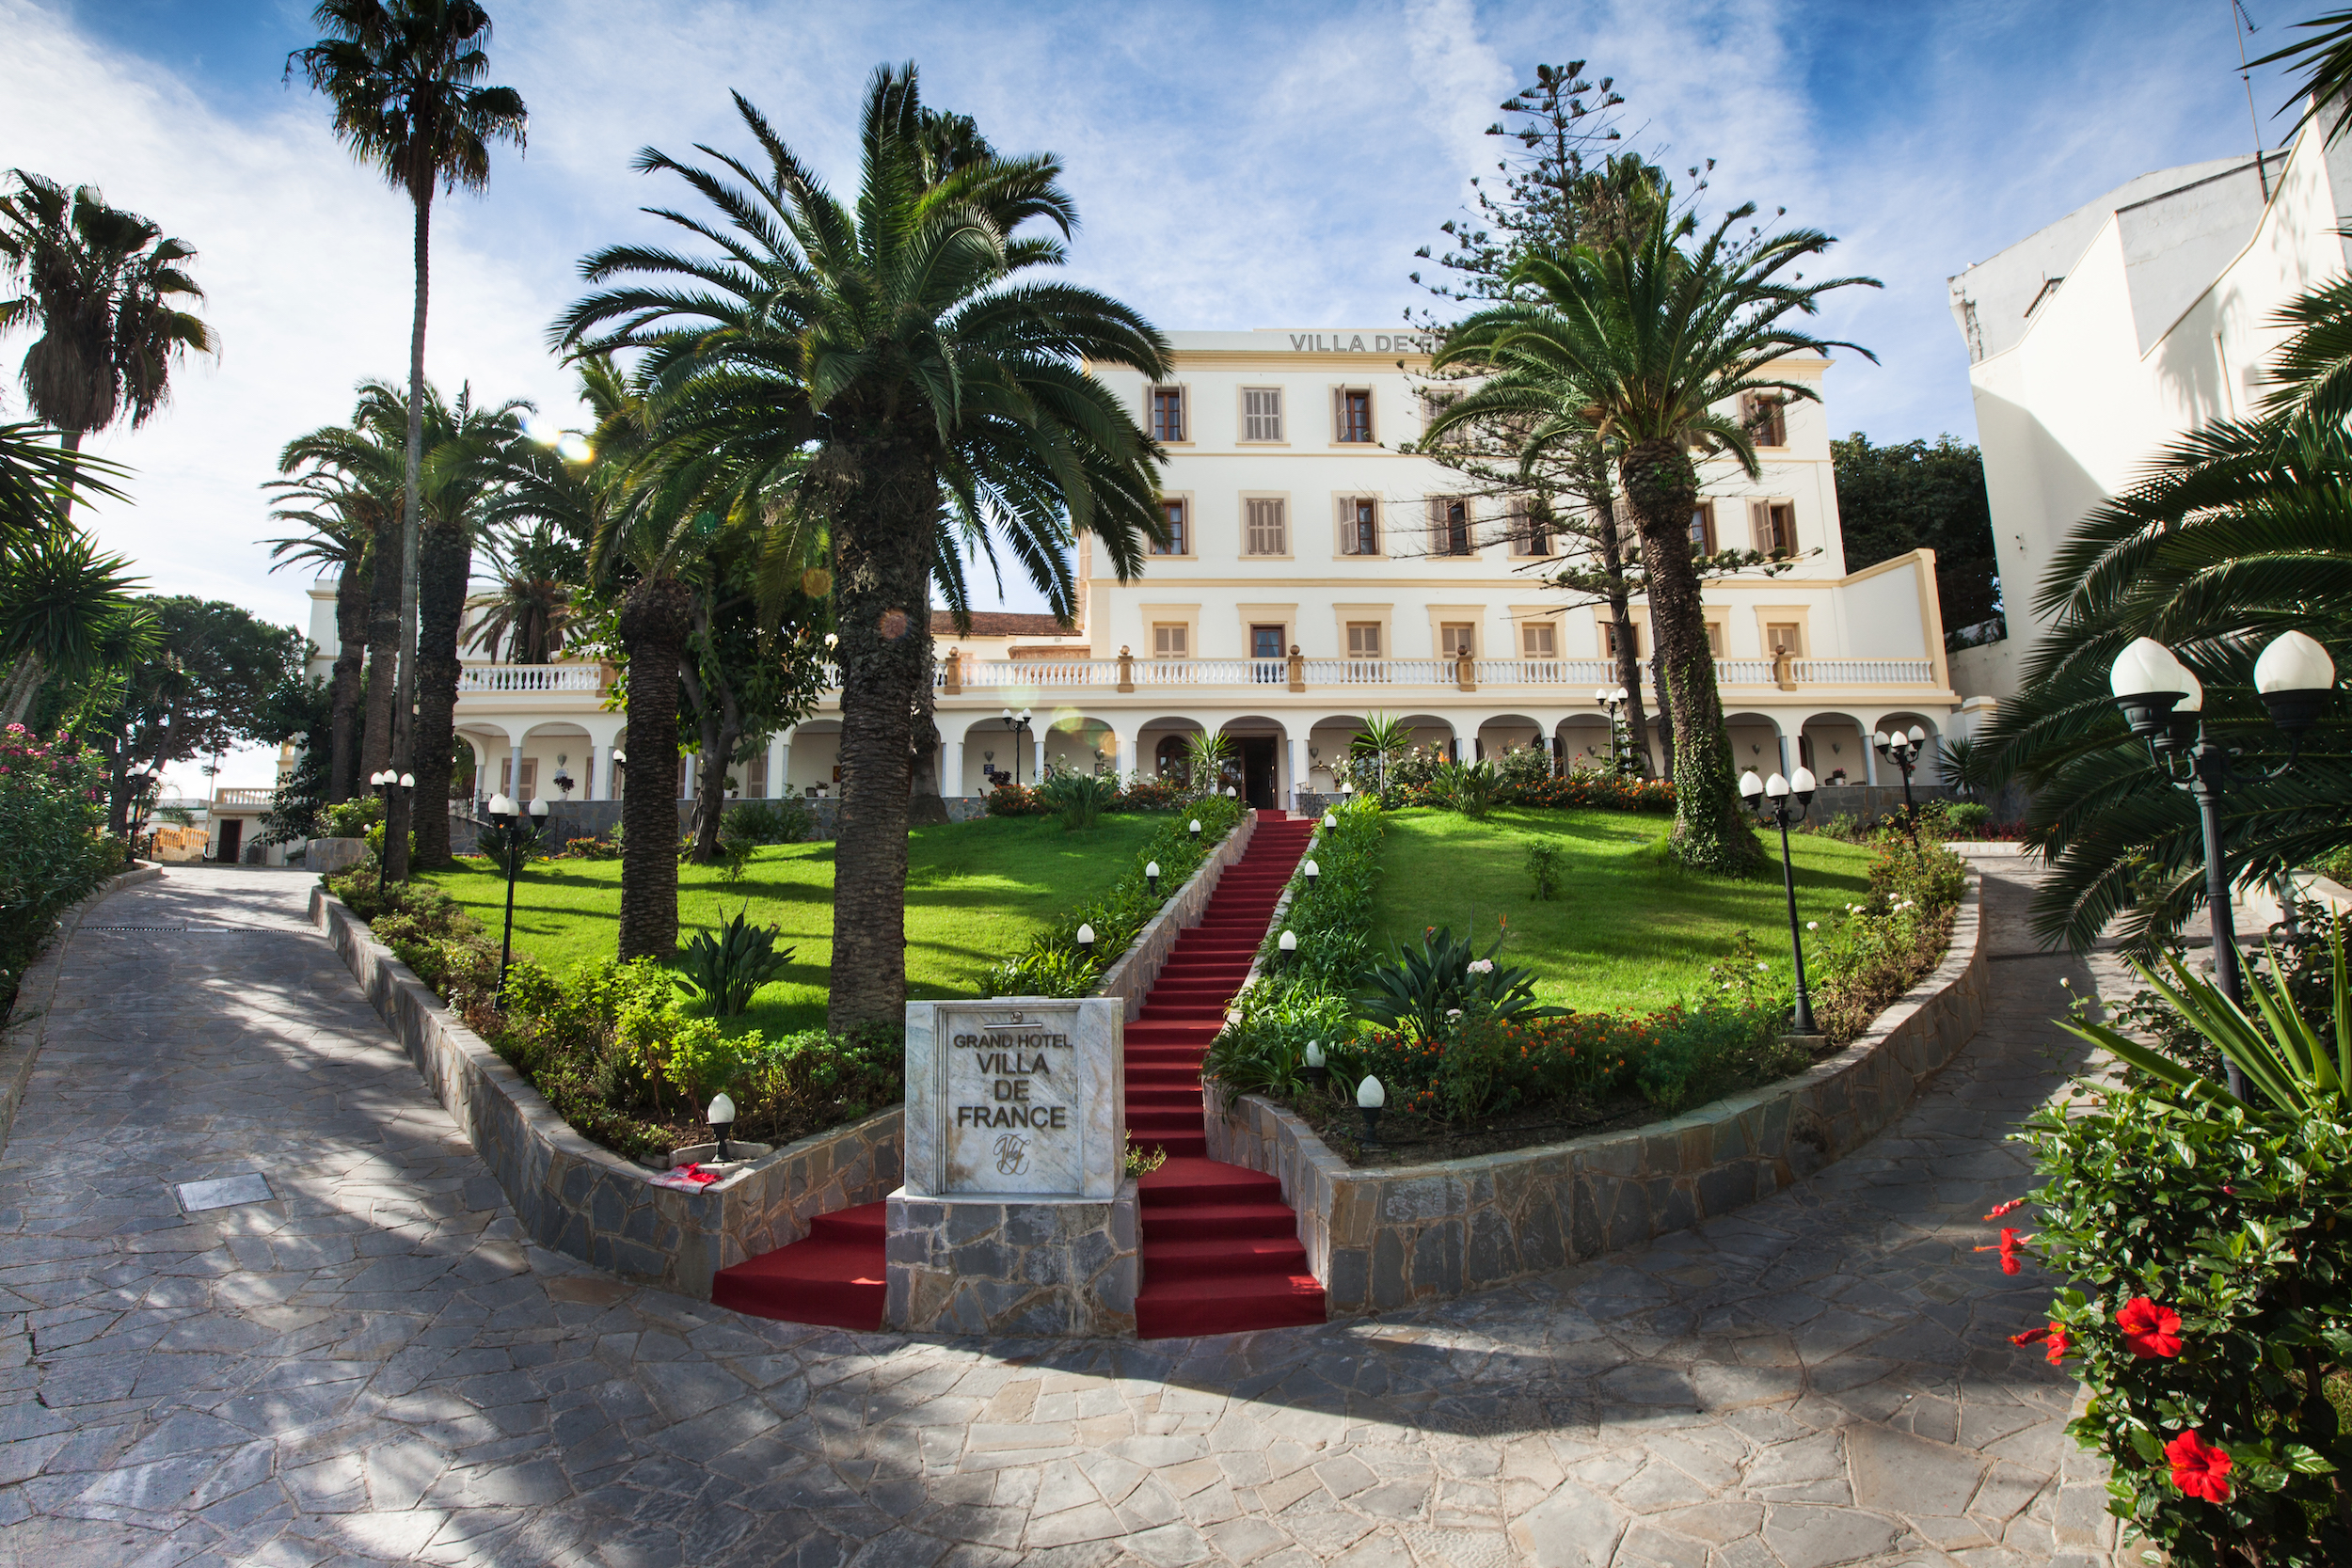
{"points": [[1835, 742], [1585, 741], [1929, 770], [1433, 729], [1263, 772], [1330, 739], [1505, 732], [1757, 742], [1161, 745]]}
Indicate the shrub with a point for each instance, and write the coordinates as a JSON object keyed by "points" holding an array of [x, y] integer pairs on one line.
{"points": [[1016, 801], [52, 850], [1880, 948], [1467, 787], [1967, 818], [1522, 767], [1419, 992], [591, 849], [725, 969], [767, 822], [353, 818], [1141, 794], [1543, 868], [1078, 799]]}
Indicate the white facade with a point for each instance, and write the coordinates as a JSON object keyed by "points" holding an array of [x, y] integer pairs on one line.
{"points": [[1273, 625], [2122, 326]]}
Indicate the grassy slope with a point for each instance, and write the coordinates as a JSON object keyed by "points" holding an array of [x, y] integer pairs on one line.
{"points": [[1629, 930], [975, 892]]}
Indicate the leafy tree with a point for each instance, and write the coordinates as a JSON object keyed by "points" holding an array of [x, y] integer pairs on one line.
{"points": [[530, 609], [1638, 343], [358, 468], [217, 676], [880, 358], [1911, 496], [406, 77], [69, 621], [36, 478], [742, 688], [106, 289], [340, 520], [297, 807], [2237, 533]]}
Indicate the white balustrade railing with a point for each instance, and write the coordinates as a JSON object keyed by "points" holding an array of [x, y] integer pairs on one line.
{"points": [[243, 795], [1744, 671], [530, 678], [1865, 672]]}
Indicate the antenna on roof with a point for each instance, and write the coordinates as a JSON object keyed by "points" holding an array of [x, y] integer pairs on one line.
{"points": [[2243, 24]]}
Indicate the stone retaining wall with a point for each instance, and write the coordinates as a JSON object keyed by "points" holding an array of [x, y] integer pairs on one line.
{"points": [[1059, 1267], [1384, 1237], [588, 1202], [1131, 979], [23, 1030]]}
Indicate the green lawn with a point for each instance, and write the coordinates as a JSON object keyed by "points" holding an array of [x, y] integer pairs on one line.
{"points": [[1629, 930], [975, 892]]}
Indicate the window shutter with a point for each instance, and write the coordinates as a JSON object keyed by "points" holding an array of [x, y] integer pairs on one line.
{"points": [[1759, 527]]}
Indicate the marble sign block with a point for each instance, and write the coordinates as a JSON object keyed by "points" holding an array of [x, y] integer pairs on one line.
{"points": [[1020, 1097]]}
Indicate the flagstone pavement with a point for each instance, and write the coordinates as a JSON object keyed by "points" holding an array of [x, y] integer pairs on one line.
{"points": [[373, 1366]]}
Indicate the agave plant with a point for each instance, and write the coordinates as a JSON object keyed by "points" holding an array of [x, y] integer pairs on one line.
{"points": [[1079, 799], [1419, 989], [1468, 788], [2294, 1065], [725, 969]]}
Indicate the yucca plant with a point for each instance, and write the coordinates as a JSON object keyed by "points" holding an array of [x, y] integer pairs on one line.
{"points": [[1419, 989], [1206, 757], [2296, 1066], [725, 969], [1079, 799]]}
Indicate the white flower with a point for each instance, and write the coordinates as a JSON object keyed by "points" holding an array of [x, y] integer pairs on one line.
{"points": [[1812, 925], [1763, 966], [2067, 983], [1454, 1012], [1481, 966]]}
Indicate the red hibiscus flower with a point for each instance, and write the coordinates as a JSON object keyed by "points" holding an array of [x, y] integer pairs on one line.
{"points": [[2200, 1469], [2058, 1343], [2012, 1244], [2001, 1209], [2149, 1331]]}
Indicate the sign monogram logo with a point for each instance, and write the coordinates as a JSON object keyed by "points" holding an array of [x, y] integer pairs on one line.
{"points": [[1012, 1154]]}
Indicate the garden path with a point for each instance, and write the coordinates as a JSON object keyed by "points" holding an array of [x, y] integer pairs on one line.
{"points": [[374, 1366]]}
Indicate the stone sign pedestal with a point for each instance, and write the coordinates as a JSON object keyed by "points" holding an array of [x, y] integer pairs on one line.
{"points": [[1017, 1216]]}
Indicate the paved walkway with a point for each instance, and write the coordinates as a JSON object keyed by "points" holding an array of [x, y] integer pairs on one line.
{"points": [[373, 1366]]}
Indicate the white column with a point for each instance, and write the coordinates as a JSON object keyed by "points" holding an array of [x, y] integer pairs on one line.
{"points": [[1126, 760], [1781, 741], [781, 768], [512, 784], [1037, 769], [1299, 770], [777, 748], [1869, 761], [951, 768]]}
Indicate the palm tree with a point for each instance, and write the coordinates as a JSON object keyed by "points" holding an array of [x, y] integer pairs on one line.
{"points": [[887, 356], [538, 571], [339, 521], [106, 289], [406, 79], [1640, 345], [361, 465], [2238, 532]]}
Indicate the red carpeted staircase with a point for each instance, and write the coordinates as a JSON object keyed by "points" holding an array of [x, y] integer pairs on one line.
{"points": [[1220, 1247], [832, 1276]]}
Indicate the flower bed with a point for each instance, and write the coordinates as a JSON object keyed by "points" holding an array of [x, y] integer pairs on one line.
{"points": [[53, 851], [612, 1046], [1478, 1068]]}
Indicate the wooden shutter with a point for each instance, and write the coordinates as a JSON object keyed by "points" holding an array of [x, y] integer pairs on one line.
{"points": [[1265, 528], [1363, 640], [1261, 412], [1168, 639], [1536, 642]]}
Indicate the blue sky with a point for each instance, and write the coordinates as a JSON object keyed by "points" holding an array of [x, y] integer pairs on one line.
{"points": [[1236, 165]]}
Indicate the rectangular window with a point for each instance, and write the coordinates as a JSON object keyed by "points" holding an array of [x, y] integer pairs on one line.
{"points": [[1352, 415], [1261, 412], [755, 777], [1170, 639], [1702, 529], [1715, 639], [1167, 414], [1766, 416], [1531, 532], [1359, 526], [1538, 641], [1608, 640], [1775, 526], [1457, 640], [1450, 521], [1784, 637], [1267, 534], [529, 790], [1179, 529], [1266, 642], [1363, 640]]}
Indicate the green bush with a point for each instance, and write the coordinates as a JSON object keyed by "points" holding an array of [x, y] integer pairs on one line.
{"points": [[1880, 948], [726, 969], [353, 818], [53, 850], [767, 822], [1078, 799], [1964, 819], [1543, 869], [1420, 992]]}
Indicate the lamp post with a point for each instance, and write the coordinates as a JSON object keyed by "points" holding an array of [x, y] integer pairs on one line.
{"points": [[1288, 946], [1311, 871], [721, 1115], [1085, 941], [1318, 1072], [517, 840], [1613, 700], [1152, 876], [384, 783], [2163, 703], [1901, 747], [1019, 725], [1769, 799], [1195, 832], [1370, 1098]]}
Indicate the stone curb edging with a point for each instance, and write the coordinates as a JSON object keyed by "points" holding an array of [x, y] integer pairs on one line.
{"points": [[587, 1202], [1379, 1238], [40, 986], [1131, 979]]}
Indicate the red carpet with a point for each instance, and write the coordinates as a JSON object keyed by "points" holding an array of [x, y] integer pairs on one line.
{"points": [[1220, 1247], [832, 1276]]}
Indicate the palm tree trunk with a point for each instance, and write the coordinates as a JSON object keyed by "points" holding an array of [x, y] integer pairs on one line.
{"points": [[1711, 829], [446, 560], [719, 724], [376, 743], [405, 703], [1665, 717], [1619, 600], [655, 617], [351, 635], [881, 581]]}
